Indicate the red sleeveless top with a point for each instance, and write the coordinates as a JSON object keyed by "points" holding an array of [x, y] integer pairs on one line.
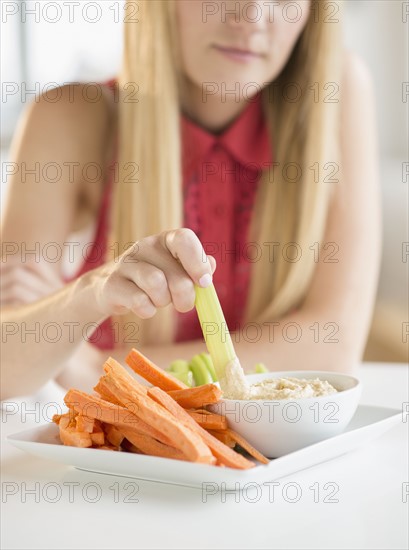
{"points": [[220, 179]]}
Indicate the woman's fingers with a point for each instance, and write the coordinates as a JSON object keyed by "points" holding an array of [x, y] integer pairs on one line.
{"points": [[156, 271], [19, 294], [125, 296], [176, 281], [20, 285], [49, 272], [25, 277], [43, 270], [150, 280], [213, 263], [184, 245]]}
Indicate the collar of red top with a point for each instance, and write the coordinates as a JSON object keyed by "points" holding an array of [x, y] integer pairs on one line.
{"points": [[246, 139]]}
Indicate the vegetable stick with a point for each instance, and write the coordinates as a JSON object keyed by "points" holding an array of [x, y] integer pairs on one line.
{"points": [[248, 447], [196, 397], [98, 438], [209, 421], [72, 438], [214, 328], [113, 435], [180, 436], [66, 420], [152, 373], [56, 418], [94, 407], [105, 394], [150, 446], [224, 454], [84, 424], [224, 437], [116, 370]]}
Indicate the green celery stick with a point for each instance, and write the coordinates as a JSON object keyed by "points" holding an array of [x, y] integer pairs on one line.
{"points": [[214, 328], [200, 371], [179, 365], [209, 364], [186, 377], [260, 367]]}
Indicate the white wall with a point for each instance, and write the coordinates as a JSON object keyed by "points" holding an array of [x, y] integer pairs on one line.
{"points": [[377, 31]]}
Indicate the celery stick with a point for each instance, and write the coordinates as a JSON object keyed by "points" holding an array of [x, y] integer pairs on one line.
{"points": [[209, 364], [179, 365], [214, 328], [260, 367], [186, 377], [200, 371]]}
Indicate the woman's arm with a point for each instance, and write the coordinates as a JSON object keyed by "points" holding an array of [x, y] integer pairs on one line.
{"points": [[330, 330], [42, 320], [53, 143]]}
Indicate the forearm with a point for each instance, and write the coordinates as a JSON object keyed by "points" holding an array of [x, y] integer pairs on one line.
{"points": [[300, 341], [39, 338]]}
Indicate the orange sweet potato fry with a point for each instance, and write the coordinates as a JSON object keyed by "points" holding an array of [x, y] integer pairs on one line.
{"points": [[153, 421], [104, 393], [150, 446], [152, 373], [247, 447], [73, 438], [223, 454], [67, 420], [98, 438], [196, 397], [209, 421], [84, 424], [94, 407], [181, 437], [224, 437], [113, 435]]}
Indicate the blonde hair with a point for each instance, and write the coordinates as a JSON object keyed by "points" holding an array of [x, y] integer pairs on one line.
{"points": [[304, 134]]}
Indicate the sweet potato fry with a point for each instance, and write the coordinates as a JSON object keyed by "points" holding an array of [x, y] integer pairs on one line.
{"points": [[105, 394], [98, 438], [167, 420], [152, 373], [94, 407], [247, 447], [56, 418], [73, 438], [113, 435], [224, 437], [150, 446], [223, 454], [196, 397], [181, 437], [84, 424], [209, 421]]}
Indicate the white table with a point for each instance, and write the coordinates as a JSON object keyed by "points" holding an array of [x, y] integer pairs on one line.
{"points": [[368, 484]]}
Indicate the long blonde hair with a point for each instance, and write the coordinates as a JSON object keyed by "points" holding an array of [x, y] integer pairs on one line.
{"points": [[304, 134]]}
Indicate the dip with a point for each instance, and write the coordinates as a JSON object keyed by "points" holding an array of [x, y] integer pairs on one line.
{"points": [[235, 386]]}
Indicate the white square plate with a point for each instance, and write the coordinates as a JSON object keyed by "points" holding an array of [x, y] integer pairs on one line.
{"points": [[368, 423]]}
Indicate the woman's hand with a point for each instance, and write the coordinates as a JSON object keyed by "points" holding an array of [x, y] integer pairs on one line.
{"points": [[154, 272], [24, 283]]}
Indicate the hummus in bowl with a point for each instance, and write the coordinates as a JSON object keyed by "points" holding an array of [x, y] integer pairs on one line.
{"points": [[281, 412]]}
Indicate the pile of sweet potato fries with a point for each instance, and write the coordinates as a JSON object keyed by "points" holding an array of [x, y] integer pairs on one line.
{"points": [[167, 419]]}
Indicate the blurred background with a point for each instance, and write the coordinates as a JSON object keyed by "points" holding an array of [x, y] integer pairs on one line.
{"points": [[50, 43]]}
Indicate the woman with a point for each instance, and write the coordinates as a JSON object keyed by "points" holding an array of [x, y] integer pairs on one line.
{"points": [[234, 126]]}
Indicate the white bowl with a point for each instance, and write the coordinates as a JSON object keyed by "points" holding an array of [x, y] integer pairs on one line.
{"points": [[278, 427]]}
